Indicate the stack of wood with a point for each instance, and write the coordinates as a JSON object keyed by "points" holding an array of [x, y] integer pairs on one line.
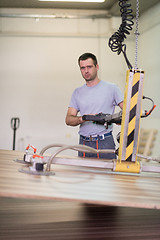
{"points": [[146, 141]]}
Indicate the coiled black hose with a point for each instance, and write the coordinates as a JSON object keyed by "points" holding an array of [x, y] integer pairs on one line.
{"points": [[116, 40]]}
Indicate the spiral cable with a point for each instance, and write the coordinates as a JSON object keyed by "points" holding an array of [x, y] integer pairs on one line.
{"points": [[116, 40]]}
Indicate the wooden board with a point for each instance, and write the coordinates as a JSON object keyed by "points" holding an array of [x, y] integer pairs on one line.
{"points": [[79, 184], [33, 219]]}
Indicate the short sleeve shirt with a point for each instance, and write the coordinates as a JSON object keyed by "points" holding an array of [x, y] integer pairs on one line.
{"points": [[101, 98]]}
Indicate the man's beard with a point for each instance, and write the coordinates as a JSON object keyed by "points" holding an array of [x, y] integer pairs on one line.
{"points": [[89, 79]]}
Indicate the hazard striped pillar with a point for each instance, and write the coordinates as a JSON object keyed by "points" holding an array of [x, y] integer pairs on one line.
{"points": [[131, 115]]}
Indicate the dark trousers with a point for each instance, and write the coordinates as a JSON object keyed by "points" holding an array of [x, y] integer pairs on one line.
{"points": [[106, 143]]}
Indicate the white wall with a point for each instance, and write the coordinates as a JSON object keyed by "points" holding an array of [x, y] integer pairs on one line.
{"points": [[39, 71], [149, 52]]}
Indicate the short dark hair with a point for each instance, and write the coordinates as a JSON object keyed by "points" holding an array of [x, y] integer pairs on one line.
{"points": [[85, 56]]}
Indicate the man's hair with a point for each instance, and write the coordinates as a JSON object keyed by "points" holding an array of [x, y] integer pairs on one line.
{"points": [[85, 56]]}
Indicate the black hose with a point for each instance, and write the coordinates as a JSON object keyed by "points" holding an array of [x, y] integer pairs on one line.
{"points": [[116, 40]]}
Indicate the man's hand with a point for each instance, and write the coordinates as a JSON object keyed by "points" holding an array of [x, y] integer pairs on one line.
{"points": [[72, 119]]}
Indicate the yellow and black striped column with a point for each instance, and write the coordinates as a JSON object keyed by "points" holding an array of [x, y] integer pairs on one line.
{"points": [[131, 115]]}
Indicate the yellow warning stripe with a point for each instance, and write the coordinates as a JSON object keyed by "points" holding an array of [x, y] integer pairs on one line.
{"points": [[133, 101], [130, 117], [129, 150], [131, 125], [123, 116], [136, 78], [132, 120]]}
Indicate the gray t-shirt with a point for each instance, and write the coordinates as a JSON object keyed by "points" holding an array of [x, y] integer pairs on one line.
{"points": [[101, 98]]}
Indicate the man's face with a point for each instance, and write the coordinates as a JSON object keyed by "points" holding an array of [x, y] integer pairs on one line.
{"points": [[88, 69]]}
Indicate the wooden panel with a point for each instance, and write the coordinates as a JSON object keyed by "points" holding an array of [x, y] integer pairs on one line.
{"points": [[79, 184], [27, 219]]}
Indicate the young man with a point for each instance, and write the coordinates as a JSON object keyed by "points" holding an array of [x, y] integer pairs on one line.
{"points": [[94, 97]]}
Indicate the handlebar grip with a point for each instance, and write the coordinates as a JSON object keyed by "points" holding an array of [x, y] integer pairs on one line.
{"points": [[91, 117], [85, 117], [99, 118]]}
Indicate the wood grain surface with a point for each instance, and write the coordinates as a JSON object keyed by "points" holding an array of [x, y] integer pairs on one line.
{"points": [[33, 219], [79, 184]]}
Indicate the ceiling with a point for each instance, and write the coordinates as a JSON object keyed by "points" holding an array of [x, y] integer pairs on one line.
{"points": [[109, 5]]}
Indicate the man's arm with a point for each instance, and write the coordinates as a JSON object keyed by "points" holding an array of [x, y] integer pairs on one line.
{"points": [[72, 119], [120, 105]]}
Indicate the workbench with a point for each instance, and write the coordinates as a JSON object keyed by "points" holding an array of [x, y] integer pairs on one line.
{"points": [[77, 203]]}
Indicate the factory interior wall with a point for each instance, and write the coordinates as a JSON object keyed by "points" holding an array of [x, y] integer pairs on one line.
{"points": [[39, 72], [149, 53]]}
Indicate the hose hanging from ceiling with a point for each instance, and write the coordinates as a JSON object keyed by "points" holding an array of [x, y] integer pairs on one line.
{"points": [[116, 40]]}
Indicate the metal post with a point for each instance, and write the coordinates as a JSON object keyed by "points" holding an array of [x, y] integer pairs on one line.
{"points": [[14, 125]]}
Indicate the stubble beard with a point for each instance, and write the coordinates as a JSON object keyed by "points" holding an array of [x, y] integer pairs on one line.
{"points": [[89, 79]]}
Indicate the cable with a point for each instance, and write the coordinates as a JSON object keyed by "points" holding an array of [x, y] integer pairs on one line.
{"points": [[116, 40], [146, 114]]}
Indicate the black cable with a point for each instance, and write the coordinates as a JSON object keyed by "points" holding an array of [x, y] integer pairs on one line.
{"points": [[116, 40]]}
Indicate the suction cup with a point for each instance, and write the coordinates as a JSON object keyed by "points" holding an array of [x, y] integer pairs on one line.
{"points": [[21, 161], [40, 173]]}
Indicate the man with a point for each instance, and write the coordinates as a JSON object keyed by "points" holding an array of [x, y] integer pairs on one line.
{"points": [[94, 97]]}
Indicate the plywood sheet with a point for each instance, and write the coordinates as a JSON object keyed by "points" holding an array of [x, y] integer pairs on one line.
{"points": [[26, 219], [79, 184]]}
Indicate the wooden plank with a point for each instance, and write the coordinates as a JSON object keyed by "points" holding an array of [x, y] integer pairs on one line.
{"points": [[35, 219], [79, 184], [146, 142]]}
